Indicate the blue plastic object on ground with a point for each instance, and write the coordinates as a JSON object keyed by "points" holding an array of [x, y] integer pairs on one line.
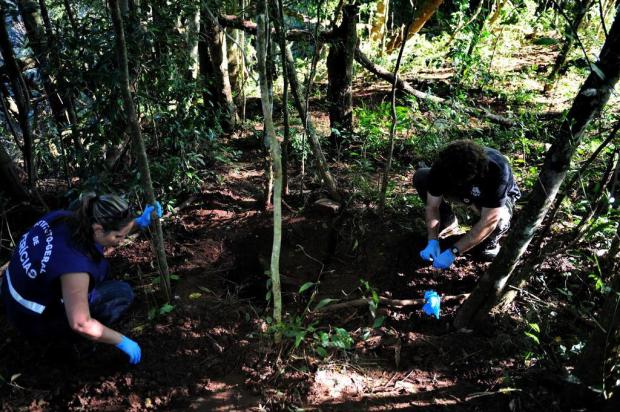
{"points": [[432, 304]]}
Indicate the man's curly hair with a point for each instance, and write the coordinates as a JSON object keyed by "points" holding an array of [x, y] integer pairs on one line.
{"points": [[460, 162]]}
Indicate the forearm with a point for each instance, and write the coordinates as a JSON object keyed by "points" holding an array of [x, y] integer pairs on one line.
{"points": [[94, 330], [477, 234], [432, 222]]}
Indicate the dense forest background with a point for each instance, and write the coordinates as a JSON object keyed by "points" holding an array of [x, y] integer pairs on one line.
{"points": [[281, 137]]}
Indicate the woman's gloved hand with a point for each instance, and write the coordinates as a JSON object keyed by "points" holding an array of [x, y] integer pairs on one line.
{"points": [[444, 260], [431, 251], [144, 220], [131, 348]]}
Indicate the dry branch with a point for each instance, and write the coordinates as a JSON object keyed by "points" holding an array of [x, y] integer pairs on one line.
{"points": [[395, 303]]}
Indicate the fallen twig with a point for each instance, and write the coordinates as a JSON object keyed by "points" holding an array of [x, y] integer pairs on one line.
{"points": [[396, 303]]}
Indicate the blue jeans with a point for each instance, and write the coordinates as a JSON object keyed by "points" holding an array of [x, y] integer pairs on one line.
{"points": [[107, 303]]}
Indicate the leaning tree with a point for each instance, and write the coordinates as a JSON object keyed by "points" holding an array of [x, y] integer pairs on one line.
{"points": [[496, 288]]}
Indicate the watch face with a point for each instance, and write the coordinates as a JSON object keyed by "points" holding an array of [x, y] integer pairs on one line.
{"points": [[455, 251]]}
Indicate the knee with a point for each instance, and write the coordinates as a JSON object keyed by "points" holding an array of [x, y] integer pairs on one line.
{"points": [[125, 292]]}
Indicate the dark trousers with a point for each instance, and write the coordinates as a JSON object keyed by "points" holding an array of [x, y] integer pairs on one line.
{"points": [[446, 215], [107, 303]]}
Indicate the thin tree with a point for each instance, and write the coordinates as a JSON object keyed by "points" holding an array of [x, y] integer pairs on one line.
{"points": [[493, 291], [297, 92], [21, 95], [388, 165], [134, 129], [274, 146]]}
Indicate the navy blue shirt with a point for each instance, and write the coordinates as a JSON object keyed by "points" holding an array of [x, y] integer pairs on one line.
{"points": [[490, 191], [43, 254]]}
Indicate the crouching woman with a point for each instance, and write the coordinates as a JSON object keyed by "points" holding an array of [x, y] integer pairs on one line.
{"points": [[57, 280]]}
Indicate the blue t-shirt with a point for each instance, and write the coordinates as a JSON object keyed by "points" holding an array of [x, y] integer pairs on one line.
{"points": [[42, 256], [490, 191]]}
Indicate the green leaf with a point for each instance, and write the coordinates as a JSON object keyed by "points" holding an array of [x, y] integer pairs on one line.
{"points": [[167, 308], [195, 295], [174, 277], [320, 351], [299, 338], [305, 287], [378, 322], [535, 327], [325, 302], [533, 337]]}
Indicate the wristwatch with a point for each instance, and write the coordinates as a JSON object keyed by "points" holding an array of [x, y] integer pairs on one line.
{"points": [[455, 251]]}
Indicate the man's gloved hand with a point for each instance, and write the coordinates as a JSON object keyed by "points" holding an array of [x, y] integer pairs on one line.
{"points": [[431, 251], [131, 348], [145, 219], [444, 260]]}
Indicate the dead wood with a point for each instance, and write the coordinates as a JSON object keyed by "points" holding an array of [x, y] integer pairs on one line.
{"points": [[395, 303]]}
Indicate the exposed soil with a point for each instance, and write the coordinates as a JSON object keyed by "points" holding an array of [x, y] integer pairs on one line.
{"points": [[212, 353]]}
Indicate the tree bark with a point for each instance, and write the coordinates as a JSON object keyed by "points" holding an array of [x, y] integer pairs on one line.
{"points": [[214, 67], [274, 146], [30, 13], [340, 75], [423, 14], [581, 9], [21, 95], [379, 23], [134, 129], [491, 293], [315, 144]]}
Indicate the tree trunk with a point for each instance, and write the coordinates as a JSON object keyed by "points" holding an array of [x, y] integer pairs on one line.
{"points": [[11, 183], [134, 129], [340, 75], [379, 23], [423, 14], [274, 146], [315, 144], [21, 95], [193, 36], [388, 166], [581, 9], [492, 292], [602, 349], [214, 67], [285, 98], [30, 13]]}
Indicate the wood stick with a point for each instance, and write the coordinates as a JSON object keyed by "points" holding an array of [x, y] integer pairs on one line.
{"points": [[396, 303]]}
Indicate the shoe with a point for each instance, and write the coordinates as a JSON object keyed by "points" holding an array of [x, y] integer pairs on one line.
{"points": [[488, 253], [448, 226]]}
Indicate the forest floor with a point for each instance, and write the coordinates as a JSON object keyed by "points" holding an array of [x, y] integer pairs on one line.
{"points": [[213, 351]]}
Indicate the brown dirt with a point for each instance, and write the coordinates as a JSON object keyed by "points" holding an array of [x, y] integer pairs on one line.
{"points": [[211, 352]]}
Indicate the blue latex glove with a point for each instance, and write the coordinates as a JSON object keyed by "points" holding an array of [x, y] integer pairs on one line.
{"points": [[131, 348], [144, 220], [432, 303], [431, 251], [444, 260]]}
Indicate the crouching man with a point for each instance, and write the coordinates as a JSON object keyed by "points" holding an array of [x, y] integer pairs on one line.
{"points": [[479, 177]]}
